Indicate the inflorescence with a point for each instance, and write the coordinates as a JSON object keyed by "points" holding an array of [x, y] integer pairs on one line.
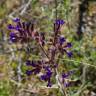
{"points": [[24, 32]]}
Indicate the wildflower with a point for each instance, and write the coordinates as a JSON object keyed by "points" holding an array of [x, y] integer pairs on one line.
{"points": [[49, 83], [61, 40], [60, 22], [33, 71], [68, 45], [23, 30], [26, 32], [10, 26], [47, 68], [57, 26], [29, 72], [65, 75], [36, 71], [35, 65], [17, 27], [43, 77], [13, 37], [16, 20], [64, 48], [69, 54], [30, 63], [47, 76], [66, 84]]}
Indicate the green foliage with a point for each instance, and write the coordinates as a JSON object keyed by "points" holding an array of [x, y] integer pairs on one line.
{"points": [[5, 88]]}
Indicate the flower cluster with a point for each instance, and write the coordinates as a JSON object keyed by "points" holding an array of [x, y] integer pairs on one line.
{"points": [[59, 21], [63, 46], [24, 32], [60, 43], [36, 67], [65, 76], [47, 76]]}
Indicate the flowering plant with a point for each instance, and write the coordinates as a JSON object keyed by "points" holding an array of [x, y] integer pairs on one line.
{"points": [[58, 46]]}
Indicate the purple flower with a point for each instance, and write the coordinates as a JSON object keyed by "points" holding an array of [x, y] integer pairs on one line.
{"points": [[10, 26], [60, 22], [33, 63], [69, 54], [36, 71], [47, 76], [62, 40], [66, 84], [25, 33], [33, 71], [64, 75], [49, 73], [43, 77], [57, 22], [16, 20], [23, 30], [68, 45], [28, 62], [17, 27], [49, 83], [13, 37], [29, 72], [47, 68]]}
